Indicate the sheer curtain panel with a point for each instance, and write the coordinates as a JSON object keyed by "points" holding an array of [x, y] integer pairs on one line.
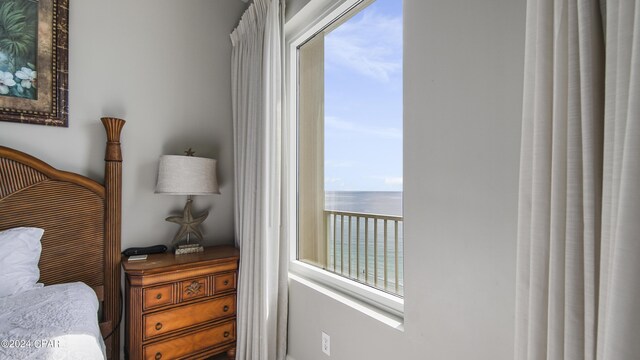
{"points": [[578, 293], [257, 102]]}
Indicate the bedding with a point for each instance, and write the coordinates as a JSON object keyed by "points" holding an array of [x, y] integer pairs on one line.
{"points": [[19, 255], [54, 322]]}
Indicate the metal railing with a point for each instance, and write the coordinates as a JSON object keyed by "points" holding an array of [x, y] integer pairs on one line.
{"points": [[367, 248]]}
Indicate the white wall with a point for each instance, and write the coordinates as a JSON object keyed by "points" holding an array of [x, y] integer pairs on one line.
{"points": [[164, 66], [293, 6], [463, 98]]}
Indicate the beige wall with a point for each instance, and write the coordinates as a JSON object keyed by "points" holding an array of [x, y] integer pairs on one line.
{"points": [[164, 66], [463, 99]]}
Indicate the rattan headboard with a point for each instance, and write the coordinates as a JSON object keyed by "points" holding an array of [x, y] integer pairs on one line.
{"points": [[81, 219]]}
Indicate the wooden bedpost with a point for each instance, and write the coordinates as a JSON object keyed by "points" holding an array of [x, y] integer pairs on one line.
{"points": [[113, 225]]}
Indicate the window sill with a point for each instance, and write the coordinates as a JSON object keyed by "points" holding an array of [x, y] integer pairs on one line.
{"points": [[382, 306]]}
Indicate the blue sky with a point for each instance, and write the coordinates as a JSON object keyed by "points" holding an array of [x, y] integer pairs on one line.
{"points": [[363, 101]]}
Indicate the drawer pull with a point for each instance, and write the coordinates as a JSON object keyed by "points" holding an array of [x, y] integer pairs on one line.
{"points": [[158, 326], [226, 334], [159, 296], [158, 355], [226, 282], [225, 308]]}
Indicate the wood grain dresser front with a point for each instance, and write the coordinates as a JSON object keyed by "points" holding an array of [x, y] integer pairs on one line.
{"points": [[181, 306]]}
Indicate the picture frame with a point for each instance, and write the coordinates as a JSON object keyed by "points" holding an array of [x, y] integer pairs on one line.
{"points": [[34, 62]]}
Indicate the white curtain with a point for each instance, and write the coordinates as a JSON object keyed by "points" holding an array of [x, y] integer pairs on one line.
{"points": [[257, 108], [578, 280]]}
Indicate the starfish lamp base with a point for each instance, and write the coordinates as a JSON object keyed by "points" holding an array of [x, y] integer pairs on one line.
{"points": [[188, 248], [188, 225]]}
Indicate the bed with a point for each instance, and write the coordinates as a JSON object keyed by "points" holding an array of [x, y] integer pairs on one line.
{"points": [[80, 256]]}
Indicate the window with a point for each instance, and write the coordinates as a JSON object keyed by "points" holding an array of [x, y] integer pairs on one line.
{"points": [[349, 145]]}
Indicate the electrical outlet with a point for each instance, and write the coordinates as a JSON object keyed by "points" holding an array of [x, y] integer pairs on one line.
{"points": [[326, 344]]}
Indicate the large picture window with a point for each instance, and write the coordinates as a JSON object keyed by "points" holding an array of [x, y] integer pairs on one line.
{"points": [[349, 158]]}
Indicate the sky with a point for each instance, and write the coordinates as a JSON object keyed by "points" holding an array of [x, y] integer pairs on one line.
{"points": [[363, 101]]}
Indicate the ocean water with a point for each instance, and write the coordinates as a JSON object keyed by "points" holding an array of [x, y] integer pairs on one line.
{"points": [[356, 245], [371, 202]]}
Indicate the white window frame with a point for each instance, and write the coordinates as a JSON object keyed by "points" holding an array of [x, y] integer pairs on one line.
{"points": [[316, 15]]}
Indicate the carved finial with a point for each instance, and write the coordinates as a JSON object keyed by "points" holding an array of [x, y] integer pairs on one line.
{"points": [[189, 152], [113, 126]]}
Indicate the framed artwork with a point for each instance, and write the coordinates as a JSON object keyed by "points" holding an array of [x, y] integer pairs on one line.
{"points": [[34, 61]]}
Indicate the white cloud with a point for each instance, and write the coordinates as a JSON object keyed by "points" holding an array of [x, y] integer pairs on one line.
{"points": [[370, 45], [332, 183], [336, 123], [394, 180], [338, 164]]}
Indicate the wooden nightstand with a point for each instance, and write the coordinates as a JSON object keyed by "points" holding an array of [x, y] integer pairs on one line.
{"points": [[181, 307]]}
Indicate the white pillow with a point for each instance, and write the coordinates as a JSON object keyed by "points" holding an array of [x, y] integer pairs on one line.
{"points": [[19, 255]]}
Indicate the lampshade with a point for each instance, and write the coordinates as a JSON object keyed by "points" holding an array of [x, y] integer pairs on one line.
{"points": [[187, 175]]}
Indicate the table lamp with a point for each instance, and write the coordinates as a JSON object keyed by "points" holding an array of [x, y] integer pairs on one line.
{"points": [[187, 175]]}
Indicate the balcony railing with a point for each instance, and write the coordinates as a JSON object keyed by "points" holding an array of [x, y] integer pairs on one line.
{"points": [[367, 248]]}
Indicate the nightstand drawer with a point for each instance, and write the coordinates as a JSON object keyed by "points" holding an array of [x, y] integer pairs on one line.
{"points": [[191, 343], [225, 282], [188, 315], [157, 296], [193, 289], [181, 306]]}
